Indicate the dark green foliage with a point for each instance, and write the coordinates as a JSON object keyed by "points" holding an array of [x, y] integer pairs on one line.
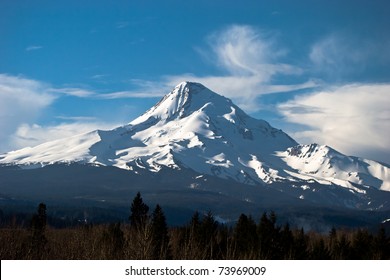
{"points": [[245, 237], [160, 237], [139, 212], [286, 242], [269, 237]]}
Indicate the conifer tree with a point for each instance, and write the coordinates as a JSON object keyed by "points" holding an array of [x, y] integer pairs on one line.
{"points": [[269, 236], [195, 224], [160, 237], [208, 230], [286, 242], [300, 245], [362, 245], [332, 246], [38, 226], [319, 251], [139, 212], [245, 237], [193, 246], [381, 250], [342, 248]]}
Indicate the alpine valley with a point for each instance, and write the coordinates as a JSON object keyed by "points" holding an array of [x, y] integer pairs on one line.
{"points": [[196, 150]]}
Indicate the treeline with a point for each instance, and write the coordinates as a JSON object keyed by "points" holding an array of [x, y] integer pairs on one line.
{"points": [[147, 236]]}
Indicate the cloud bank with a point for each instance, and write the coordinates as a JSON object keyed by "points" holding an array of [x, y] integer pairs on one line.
{"points": [[354, 118], [22, 103]]}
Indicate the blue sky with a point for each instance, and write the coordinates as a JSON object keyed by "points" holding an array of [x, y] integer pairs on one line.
{"points": [[319, 70]]}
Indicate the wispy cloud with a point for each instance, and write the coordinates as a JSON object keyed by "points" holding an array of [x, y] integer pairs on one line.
{"points": [[78, 92], [122, 24], [250, 59], [245, 51], [33, 48], [99, 76], [77, 118], [340, 56], [21, 100], [353, 118]]}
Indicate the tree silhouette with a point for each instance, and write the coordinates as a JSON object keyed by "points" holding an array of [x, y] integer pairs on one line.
{"points": [[160, 238], [381, 249], [362, 245], [319, 251], [269, 237], [38, 226], [300, 245], [245, 237], [343, 248], [139, 212], [286, 242]]}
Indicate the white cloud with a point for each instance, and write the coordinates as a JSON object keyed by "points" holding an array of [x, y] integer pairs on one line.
{"points": [[21, 100], [78, 92], [243, 50], [28, 135], [33, 48], [354, 119], [250, 59]]}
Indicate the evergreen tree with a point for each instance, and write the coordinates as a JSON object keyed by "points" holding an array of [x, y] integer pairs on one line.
{"points": [[193, 246], [208, 229], [160, 237], [286, 242], [342, 249], [139, 212], [38, 226], [332, 246], [195, 225], [319, 251], [269, 237], [245, 237], [362, 245], [381, 250], [300, 246]]}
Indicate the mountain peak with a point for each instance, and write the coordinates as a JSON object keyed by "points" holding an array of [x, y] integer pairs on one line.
{"points": [[184, 99], [188, 87]]}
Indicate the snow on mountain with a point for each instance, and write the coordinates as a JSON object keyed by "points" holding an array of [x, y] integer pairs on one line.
{"points": [[326, 164], [195, 128]]}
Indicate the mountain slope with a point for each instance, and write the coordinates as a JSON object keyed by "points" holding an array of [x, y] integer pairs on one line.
{"points": [[193, 128]]}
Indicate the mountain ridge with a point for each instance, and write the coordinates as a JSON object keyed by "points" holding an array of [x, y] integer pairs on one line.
{"points": [[194, 128]]}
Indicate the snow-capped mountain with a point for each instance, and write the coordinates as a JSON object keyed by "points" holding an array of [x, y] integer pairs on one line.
{"points": [[193, 128]]}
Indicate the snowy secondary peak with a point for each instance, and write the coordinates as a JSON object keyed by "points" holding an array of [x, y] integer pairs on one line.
{"points": [[324, 162]]}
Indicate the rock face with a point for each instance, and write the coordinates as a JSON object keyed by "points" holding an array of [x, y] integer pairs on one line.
{"points": [[193, 128]]}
